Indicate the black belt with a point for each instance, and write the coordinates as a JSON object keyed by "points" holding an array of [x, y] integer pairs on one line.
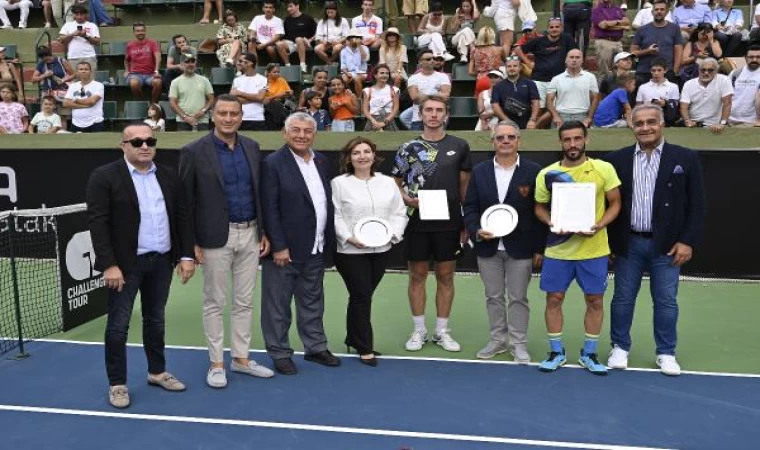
{"points": [[150, 255], [239, 225], [644, 234]]}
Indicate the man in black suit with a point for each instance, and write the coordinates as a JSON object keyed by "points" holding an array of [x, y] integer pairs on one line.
{"points": [[298, 213], [220, 184], [660, 224], [505, 263], [138, 234]]}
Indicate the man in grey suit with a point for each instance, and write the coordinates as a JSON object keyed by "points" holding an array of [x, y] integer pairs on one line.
{"points": [[220, 176], [298, 212]]}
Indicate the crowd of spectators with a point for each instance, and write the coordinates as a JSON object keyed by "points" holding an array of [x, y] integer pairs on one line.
{"points": [[678, 58]]}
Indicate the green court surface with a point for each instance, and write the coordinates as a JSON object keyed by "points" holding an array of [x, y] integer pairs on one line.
{"points": [[717, 327]]}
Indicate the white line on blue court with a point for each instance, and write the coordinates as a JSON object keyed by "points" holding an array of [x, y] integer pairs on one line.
{"points": [[320, 428], [423, 358]]}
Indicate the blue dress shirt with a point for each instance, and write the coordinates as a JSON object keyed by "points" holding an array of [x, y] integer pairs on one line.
{"points": [[154, 234], [238, 181]]}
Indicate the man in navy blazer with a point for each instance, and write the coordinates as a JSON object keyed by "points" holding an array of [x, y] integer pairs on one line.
{"points": [[505, 264], [660, 224], [298, 214]]}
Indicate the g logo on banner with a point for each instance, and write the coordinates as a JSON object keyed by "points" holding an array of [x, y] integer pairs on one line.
{"points": [[80, 257], [10, 191]]}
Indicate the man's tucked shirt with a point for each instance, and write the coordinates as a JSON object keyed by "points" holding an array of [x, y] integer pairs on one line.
{"points": [[153, 234]]}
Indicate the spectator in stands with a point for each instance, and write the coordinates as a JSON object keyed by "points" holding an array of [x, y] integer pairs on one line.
{"points": [[191, 97], [230, 38], [353, 61], [702, 44], [14, 119], [344, 106], [320, 77], [54, 73], [516, 98], [99, 15], [549, 53], [300, 29], [573, 95], [207, 11], [156, 119], [661, 92], [369, 25], [414, 10], [706, 100], [745, 106], [85, 99], [11, 5], [332, 30], [265, 30], [623, 62], [754, 34], [462, 25], [47, 11], [142, 61], [690, 14], [180, 46], [380, 103], [614, 110], [425, 83], [645, 17], [250, 88], [577, 21], [81, 37], [485, 57], [728, 23], [659, 39], [609, 23], [277, 100], [528, 33], [46, 121], [504, 13], [9, 74], [394, 53], [487, 120], [432, 30], [321, 116]]}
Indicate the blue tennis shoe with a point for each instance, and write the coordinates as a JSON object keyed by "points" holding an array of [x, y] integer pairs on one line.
{"points": [[590, 362], [554, 361]]}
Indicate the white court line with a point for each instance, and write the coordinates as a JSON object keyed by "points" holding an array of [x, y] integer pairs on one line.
{"points": [[424, 358], [322, 428]]}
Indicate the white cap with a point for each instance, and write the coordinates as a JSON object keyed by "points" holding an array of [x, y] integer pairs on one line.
{"points": [[621, 55], [498, 73]]}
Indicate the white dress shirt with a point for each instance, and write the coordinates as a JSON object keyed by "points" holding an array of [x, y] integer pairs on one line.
{"points": [[318, 197], [503, 178]]}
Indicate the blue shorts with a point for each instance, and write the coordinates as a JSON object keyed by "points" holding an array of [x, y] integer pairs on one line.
{"points": [[416, 126], [591, 274], [145, 79]]}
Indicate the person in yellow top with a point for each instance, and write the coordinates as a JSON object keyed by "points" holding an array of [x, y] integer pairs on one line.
{"points": [[579, 256]]}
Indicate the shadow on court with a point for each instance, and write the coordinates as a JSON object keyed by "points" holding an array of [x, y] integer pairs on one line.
{"points": [[57, 399]]}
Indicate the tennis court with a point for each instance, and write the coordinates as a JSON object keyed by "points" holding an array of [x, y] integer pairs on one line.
{"points": [[427, 400]]}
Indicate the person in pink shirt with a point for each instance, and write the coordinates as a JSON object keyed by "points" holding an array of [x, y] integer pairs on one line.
{"points": [[141, 63], [13, 116]]}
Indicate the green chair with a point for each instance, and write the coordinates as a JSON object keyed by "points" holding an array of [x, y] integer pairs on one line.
{"points": [[222, 76], [116, 48], [462, 73], [168, 111], [10, 51], [109, 113], [463, 107], [102, 75], [292, 74], [135, 110]]}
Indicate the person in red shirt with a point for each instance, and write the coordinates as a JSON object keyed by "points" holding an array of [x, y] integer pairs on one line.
{"points": [[141, 63]]}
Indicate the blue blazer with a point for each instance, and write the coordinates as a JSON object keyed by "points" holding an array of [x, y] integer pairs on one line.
{"points": [[530, 235], [678, 208], [287, 209]]}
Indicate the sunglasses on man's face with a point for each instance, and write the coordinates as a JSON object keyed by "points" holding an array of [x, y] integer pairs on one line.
{"points": [[137, 142], [707, 70]]}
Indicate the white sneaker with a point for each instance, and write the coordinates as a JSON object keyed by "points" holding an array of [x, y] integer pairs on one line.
{"points": [[444, 339], [463, 59], [304, 68], [48, 25], [448, 56], [6, 27], [21, 26], [216, 378], [252, 369], [618, 358], [668, 365], [416, 341]]}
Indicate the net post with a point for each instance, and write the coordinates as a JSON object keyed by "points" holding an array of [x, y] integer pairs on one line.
{"points": [[16, 297]]}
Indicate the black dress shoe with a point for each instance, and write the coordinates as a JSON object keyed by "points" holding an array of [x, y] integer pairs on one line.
{"points": [[372, 362], [324, 357], [285, 366]]}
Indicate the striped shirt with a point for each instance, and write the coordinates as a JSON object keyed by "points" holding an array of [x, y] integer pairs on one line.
{"points": [[645, 168]]}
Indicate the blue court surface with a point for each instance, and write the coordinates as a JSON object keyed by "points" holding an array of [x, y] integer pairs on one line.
{"points": [[56, 399]]}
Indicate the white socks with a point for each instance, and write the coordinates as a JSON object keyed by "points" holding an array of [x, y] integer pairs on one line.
{"points": [[419, 323], [441, 324]]}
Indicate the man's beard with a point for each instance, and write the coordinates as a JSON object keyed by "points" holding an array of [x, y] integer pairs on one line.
{"points": [[581, 153]]}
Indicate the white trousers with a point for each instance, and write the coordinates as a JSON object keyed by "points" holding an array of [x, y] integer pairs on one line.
{"points": [[462, 40], [23, 5], [433, 41]]}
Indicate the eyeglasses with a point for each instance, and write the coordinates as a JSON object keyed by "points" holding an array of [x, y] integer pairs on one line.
{"points": [[512, 58], [707, 70], [554, 18], [505, 137], [426, 59], [137, 142]]}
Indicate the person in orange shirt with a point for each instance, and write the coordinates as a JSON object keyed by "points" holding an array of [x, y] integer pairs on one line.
{"points": [[344, 106]]}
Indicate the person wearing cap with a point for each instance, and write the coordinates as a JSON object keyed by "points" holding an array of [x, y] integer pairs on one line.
{"points": [[516, 98], [142, 60], [250, 88], [191, 97], [393, 52], [528, 32], [609, 22], [80, 37], [462, 25], [369, 25], [505, 263], [622, 62], [300, 29], [353, 61], [432, 29], [174, 60], [487, 118], [265, 30], [11, 5]]}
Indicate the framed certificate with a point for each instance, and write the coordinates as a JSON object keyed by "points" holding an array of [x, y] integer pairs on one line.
{"points": [[573, 207]]}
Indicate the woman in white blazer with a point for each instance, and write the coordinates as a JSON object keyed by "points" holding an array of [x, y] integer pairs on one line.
{"points": [[363, 192]]}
